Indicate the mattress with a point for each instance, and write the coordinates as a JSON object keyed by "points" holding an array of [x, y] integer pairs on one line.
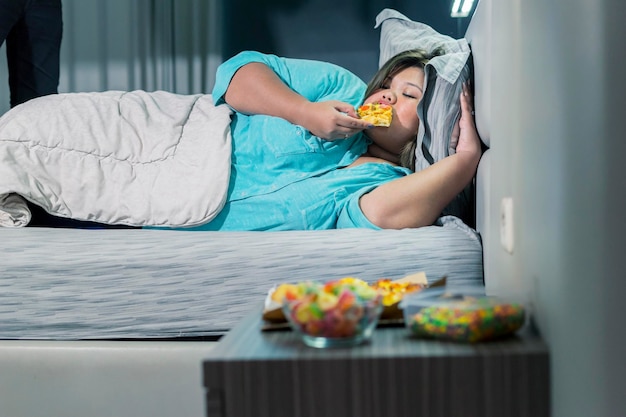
{"points": [[71, 284]]}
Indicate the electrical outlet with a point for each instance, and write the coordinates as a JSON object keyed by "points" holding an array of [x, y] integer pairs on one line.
{"points": [[506, 224]]}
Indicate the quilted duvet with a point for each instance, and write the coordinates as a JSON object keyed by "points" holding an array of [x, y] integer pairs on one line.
{"points": [[134, 158]]}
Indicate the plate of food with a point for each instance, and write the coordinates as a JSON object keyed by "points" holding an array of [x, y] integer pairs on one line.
{"points": [[392, 291]]}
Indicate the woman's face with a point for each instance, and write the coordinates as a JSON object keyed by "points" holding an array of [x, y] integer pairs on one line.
{"points": [[403, 92]]}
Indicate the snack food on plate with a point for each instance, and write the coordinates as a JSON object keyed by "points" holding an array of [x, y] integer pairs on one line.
{"points": [[377, 114], [393, 291]]}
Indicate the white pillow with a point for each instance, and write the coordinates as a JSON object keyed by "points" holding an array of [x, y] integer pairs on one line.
{"points": [[399, 33], [440, 107]]}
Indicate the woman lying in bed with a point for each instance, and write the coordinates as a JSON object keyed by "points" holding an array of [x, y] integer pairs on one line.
{"points": [[302, 159]]}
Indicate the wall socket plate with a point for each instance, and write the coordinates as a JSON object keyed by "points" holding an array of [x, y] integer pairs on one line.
{"points": [[506, 224]]}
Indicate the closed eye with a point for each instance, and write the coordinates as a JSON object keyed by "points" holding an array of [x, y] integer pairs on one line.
{"points": [[412, 92]]}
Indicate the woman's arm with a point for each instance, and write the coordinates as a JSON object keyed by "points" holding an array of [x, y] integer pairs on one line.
{"points": [[256, 89], [418, 199]]}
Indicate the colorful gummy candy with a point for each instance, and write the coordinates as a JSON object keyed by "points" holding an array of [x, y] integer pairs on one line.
{"points": [[468, 321], [337, 309]]}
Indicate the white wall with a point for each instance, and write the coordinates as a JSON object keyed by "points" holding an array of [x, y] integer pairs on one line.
{"points": [[172, 45], [557, 99]]}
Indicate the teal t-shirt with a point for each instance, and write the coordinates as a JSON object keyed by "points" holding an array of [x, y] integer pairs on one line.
{"points": [[326, 201], [283, 177]]}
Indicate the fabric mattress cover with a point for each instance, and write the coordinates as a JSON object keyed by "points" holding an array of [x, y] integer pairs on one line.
{"points": [[71, 284]]}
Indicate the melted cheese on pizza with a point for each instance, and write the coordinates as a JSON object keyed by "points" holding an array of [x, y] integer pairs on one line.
{"points": [[376, 113]]}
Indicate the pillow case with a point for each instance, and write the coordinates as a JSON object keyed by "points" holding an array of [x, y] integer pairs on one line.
{"points": [[440, 107]]}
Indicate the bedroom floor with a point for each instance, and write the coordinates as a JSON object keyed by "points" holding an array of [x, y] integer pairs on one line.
{"points": [[96, 379]]}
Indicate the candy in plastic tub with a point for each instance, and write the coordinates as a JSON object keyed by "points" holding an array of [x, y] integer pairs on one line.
{"points": [[461, 317]]}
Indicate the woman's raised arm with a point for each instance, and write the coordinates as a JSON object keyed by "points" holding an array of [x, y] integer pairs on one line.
{"points": [[256, 89], [418, 199]]}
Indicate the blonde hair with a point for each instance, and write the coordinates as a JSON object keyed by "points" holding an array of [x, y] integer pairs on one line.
{"points": [[399, 62]]}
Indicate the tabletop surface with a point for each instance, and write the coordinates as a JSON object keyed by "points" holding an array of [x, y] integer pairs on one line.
{"points": [[247, 341]]}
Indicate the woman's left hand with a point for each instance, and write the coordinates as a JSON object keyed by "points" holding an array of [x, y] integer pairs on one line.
{"points": [[464, 135]]}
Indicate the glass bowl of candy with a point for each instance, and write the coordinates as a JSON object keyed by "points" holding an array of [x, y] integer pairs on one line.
{"points": [[340, 313]]}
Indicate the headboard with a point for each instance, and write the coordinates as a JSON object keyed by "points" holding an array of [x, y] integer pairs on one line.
{"points": [[479, 37]]}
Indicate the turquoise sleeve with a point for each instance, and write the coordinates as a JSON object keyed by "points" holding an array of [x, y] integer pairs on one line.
{"points": [[314, 80], [352, 216], [227, 70]]}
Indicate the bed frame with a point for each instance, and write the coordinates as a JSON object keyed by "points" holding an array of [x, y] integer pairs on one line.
{"points": [[122, 374]]}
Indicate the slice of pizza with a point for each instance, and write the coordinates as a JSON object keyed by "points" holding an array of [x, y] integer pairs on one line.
{"points": [[377, 114], [393, 291]]}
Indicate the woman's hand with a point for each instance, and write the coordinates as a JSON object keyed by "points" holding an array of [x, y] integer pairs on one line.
{"points": [[331, 119], [465, 134]]}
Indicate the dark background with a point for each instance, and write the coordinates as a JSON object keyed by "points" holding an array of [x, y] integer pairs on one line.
{"points": [[338, 31]]}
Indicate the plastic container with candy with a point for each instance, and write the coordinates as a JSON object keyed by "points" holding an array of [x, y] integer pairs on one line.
{"points": [[463, 315], [332, 314]]}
